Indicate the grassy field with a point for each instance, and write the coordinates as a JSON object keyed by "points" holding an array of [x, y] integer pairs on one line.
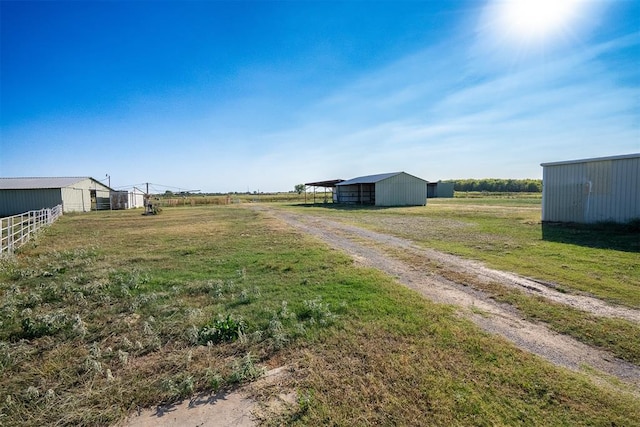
{"points": [[109, 311], [506, 233]]}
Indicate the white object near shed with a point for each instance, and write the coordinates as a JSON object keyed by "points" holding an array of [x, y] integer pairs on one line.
{"points": [[592, 190]]}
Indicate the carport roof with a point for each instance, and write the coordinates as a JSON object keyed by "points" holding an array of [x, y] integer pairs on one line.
{"points": [[327, 184]]}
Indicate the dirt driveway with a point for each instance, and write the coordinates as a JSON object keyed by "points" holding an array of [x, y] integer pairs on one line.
{"points": [[424, 274], [372, 249]]}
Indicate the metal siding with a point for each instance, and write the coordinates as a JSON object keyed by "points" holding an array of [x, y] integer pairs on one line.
{"points": [[120, 200], [444, 190], [103, 197], [369, 179], [136, 200], [356, 194], [432, 190], [13, 202], [75, 199], [593, 191], [91, 184], [35, 183], [401, 190]]}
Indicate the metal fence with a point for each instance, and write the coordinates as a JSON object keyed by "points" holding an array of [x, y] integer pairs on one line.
{"points": [[16, 230]]}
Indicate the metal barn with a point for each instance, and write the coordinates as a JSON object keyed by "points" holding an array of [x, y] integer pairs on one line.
{"points": [[387, 189], [76, 194], [592, 190]]}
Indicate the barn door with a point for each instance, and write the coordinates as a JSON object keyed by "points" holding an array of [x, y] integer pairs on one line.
{"points": [[94, 200]]}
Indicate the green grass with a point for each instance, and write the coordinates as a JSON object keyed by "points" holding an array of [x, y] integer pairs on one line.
{"points": [[506, 234], [109, 311], [618, 336]]}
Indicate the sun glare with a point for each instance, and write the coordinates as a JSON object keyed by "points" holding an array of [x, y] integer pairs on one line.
{"points": [[518, 31], [537, 19]]}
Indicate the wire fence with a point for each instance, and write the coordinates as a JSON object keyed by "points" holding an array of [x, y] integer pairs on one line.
{"points": [[16, 230]]}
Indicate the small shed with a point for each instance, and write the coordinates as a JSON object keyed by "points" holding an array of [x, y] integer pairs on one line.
{"points": [[75, 194], [127, 199], [440, 189], [592, 190], [386, 189]]}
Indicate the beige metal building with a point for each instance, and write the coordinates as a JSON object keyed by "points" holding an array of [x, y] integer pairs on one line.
{"points": [[387, 189], [75, 194], [592, 190]]}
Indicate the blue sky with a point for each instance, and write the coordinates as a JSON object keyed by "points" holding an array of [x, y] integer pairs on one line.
{"points": [[237, 95]]}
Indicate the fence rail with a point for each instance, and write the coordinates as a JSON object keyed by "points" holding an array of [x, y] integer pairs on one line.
{"points": [[16, 230]]}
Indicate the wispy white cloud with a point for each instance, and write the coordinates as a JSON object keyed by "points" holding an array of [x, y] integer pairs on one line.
{"points": [[445, 112], [402, 117]]}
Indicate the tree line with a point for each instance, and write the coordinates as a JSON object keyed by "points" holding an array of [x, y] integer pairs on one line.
{"points": [[498, 185]]}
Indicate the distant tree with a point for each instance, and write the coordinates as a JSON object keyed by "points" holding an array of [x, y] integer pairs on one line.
{"points": [[498, 185], [534, 187], [299, 188], [168, 193]]}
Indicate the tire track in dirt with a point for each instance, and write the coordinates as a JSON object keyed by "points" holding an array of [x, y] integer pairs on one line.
{"points": [[493, 317], [460, 265]]}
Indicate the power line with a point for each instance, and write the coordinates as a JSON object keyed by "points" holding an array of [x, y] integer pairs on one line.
{"points": [[157, 188]]}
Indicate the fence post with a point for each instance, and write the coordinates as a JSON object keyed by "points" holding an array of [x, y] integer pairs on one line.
{"points": [[12, 238], [21, 239], [10, 234]]}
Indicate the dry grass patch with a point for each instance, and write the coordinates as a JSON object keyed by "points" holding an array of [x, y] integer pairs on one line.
{"points": [[94, 324], [444, 377]]}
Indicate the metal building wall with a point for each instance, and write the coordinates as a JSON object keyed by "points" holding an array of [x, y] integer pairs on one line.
{"points": [[592, 190], [136, 199], [78, 196], [432, 190], [401, 190], [14, 202], [75, 199], [445, 190], [356, 194], [119, 200]]}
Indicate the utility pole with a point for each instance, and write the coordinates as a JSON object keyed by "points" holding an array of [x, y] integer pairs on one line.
{"points": [[147, 200], [109, 185]]}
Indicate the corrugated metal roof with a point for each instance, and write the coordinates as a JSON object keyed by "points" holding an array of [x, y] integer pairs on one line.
{"points": [[38, 183], [326, 184], [369, 179], [595, 159]]}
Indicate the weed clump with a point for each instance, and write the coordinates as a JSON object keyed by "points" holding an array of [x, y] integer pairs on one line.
{"points": [[245, 369], [317, 311], [36, 326], [222, 329]]}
